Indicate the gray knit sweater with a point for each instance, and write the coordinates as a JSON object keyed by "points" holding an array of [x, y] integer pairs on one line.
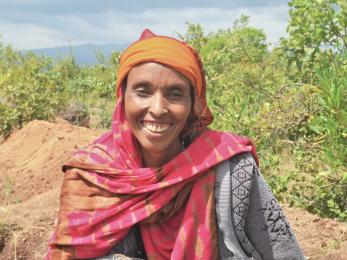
{"points": [[251, 224]]}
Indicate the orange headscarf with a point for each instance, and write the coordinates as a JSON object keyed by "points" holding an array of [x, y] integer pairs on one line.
{"points": [[176, 54]]}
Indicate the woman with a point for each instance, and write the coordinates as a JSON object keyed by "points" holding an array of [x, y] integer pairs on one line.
{"points": [[161, 185]]}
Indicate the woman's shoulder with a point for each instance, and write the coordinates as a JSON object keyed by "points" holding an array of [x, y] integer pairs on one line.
{"points": [[234, 174], [242, 162]]}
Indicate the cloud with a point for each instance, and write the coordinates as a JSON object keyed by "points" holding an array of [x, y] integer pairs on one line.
{"points": [[28, 36], [37, 24], [101, 6]]}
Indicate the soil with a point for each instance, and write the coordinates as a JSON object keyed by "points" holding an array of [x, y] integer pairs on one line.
{"points": [[30, 180]]}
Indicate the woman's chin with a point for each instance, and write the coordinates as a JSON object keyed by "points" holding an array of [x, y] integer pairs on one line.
{"points": [[155, 148]]}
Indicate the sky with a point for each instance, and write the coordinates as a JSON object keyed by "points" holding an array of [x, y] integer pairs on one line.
{"points": [[33, 24]]}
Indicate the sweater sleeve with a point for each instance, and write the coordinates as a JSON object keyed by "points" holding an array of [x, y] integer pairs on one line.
{"points": [[260, 224]]}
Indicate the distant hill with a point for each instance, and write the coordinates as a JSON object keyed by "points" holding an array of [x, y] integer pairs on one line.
{"points": [[85, 54]]}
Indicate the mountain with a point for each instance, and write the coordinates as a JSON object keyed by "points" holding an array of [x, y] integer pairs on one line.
{"points": [[85, 54]]}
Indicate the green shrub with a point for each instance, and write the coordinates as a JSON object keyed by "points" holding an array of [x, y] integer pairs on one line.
{"points": [[28, 90]]}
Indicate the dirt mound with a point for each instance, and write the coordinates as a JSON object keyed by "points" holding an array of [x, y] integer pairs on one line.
{"points": [[30, 180], [31, 159]]}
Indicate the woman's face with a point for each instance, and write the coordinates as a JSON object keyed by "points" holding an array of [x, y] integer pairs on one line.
{"points": [[157, 104]]}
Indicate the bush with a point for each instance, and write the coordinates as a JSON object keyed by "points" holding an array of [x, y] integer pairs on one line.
{"points": [[28, 90]]}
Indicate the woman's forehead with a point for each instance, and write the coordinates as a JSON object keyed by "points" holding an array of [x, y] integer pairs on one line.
{"points": [[152, 71]]}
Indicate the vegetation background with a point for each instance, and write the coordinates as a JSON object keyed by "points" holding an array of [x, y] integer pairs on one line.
{"points": [[290, 98]]}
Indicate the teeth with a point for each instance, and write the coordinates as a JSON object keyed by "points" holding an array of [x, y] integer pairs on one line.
{"points": [[156, 127]]}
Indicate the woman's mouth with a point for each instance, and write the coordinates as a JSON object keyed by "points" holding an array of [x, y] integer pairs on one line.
{"points": [[155, 127]]}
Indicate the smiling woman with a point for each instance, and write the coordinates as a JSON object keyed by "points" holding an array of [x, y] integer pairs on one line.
{"points": [[157, 105], [160, 184]]}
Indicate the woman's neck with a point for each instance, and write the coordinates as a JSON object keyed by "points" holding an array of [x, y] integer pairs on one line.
{"points": [[157, 159]]}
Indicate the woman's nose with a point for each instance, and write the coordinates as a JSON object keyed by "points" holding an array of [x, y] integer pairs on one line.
{"points": [[158, 105]]}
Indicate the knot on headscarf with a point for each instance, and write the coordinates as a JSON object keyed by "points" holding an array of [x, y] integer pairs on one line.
{"points": [[175, 54]]}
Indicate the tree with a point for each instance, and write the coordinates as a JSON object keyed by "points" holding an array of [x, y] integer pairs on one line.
{"points": [[194, 35], [315, 27]]}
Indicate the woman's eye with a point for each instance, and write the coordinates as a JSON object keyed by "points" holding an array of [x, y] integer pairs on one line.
{"points": [[175, 94], [142, 92]]}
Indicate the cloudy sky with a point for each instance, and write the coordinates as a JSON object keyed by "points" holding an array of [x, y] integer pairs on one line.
{"points": [[30, 24]]}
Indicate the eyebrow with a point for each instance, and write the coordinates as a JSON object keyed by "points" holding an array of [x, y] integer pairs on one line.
{"points": [[141, 82], [175, 85], [179, 86]]}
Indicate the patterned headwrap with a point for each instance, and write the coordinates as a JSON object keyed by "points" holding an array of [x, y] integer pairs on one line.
{"points": [[106, 189]]}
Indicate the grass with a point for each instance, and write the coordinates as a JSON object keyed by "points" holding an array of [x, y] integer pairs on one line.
{"points": [[5, 231], [7, 186]]}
